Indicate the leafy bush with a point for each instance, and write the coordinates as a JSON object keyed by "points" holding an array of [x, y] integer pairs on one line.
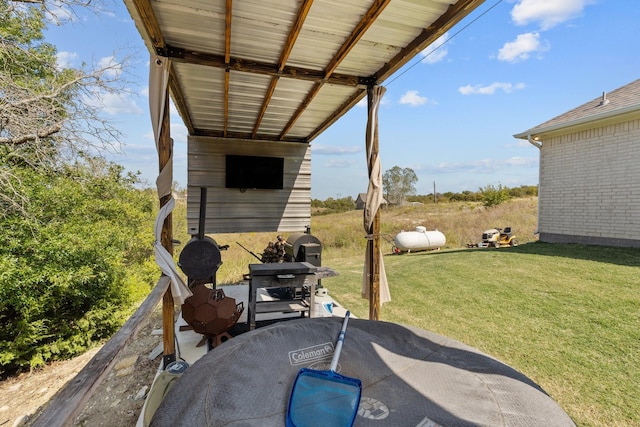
{"points": [[493, 196], [71, 269]]}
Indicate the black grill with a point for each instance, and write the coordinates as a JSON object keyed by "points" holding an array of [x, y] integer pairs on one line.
{"points": [[303, 247]]}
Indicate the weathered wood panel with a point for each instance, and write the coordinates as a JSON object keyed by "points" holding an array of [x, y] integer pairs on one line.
{"points": [[252, 210]]}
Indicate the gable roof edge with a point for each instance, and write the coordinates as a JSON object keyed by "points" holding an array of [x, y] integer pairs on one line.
{"points": [[540, 130]]}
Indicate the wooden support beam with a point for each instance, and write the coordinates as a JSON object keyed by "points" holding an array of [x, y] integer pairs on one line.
{"points": [[373, 245], [374, 285], [164, 157]]}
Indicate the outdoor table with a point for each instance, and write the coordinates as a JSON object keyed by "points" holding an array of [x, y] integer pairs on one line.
{"points": [[410, 377]]}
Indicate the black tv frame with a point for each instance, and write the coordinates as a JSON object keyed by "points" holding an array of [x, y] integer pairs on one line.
{"points": [[254, 172]]}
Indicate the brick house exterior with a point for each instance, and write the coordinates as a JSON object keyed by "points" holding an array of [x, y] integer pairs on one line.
{"points": [[589, 188]]}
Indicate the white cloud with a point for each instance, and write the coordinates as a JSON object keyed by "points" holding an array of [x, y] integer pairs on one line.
{"points": [[59, 13], [521, 162], [322, 149], [119, 104], [479, 166], [491, 89], [521, 48], [548, 13], [436, 51], [339, 163], [111, 67], [363, 103], [65, 59], [412, 98], [520, 143], [114, 104]]}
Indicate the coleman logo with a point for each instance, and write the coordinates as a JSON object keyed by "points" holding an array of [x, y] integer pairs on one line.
{"points": [[311, 354]]}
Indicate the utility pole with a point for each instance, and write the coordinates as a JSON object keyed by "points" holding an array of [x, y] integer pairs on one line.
{"points": [[435, 200]]}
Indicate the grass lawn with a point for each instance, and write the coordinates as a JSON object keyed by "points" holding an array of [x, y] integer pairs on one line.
{"points": [[567, 316]]}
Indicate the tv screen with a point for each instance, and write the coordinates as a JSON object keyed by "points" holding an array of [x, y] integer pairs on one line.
{"points": [[250, 172]]}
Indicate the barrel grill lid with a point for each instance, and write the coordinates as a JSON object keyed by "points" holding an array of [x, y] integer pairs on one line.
{"points": [[200, 258], [296, 240]]}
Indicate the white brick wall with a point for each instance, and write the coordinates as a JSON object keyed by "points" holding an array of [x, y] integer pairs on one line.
{"points": [[590, 184]]}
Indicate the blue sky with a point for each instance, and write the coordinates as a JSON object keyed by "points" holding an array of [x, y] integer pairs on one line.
{"points": [[449, 115]]}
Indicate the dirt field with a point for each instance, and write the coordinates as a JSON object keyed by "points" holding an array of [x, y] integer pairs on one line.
{"points": [[117, 401]]}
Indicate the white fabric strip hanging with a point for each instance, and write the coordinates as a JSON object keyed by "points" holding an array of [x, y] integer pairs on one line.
{"points": [[158, 81], [374, 194]]}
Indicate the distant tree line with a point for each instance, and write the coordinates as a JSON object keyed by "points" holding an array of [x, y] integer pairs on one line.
{"points": [[492, 192], [332, 205], [489, 195]]}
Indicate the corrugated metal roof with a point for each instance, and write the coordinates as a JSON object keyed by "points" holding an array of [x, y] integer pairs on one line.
{"points": [[284, 70]]}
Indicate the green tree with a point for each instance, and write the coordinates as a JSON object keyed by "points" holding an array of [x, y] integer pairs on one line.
{"points": [[398, 183], [75, 233], [48, 114], [493, 196], [71, 270]]}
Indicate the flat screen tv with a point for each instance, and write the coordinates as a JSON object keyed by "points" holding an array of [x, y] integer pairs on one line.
{"points": [[254, 172]]}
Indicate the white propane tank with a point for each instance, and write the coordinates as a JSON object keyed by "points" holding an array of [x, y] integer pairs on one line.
{"points": [[419, 240]]}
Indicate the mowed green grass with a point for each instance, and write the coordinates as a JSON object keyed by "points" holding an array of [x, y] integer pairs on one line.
{"points": [[567, 316]]}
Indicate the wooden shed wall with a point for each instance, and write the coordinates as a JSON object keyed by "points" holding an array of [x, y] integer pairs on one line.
{"points": [[254, 210]]}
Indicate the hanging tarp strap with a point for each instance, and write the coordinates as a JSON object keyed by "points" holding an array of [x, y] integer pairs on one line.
{"points": [[374, 283], [158, 81]]}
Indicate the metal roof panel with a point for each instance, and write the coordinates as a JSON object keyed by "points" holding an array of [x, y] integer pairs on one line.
{"points": [[284, 69]]}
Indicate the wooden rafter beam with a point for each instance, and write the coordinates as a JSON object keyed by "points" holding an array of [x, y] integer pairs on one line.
{"points": [[346, 106], [301, 109], [444, 23], [227, 58], [294, 33], [265, 104], [367, 20], [284, 57], [152, 28], [180, 55], [179, 101], [150, 22], [365, 23], [247, 135], [451, 17]]}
